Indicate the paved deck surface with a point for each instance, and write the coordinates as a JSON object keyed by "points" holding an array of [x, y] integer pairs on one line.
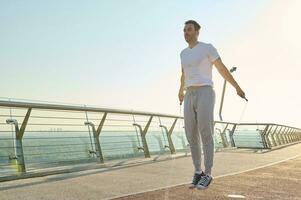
{"points": [[279, 181], [99, 184]]}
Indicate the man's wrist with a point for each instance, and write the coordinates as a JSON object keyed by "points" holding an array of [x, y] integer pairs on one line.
{"points": [[237, 87]]}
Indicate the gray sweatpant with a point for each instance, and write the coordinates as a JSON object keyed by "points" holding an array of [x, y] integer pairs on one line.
{"points": [[199, 121]]}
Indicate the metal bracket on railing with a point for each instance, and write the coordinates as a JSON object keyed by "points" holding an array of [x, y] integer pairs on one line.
{"points": [[92, 152], [140, 148], [264, 139], [96, 140], [19, 157], [19, 147], [143, 136], [140, 131], [223, 137], [167, 147], [168, 135], [12, 157]]}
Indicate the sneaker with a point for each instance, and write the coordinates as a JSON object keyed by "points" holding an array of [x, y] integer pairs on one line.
{"points": [[204, 182], [196, 178]]}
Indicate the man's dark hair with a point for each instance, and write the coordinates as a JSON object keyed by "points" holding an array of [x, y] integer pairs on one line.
{"points": [[196, 25]]}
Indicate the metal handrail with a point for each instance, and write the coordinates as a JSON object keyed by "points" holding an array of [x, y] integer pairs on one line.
{"points": [[270, 134], [80, 108], [49, 106]]}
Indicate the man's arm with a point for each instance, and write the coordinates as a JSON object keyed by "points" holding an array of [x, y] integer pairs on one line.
{"points": [[222, 69], [182, 81], [181, 90]]}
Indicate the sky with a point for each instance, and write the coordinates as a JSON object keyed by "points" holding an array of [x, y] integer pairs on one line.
{"points": [[125, 54]]}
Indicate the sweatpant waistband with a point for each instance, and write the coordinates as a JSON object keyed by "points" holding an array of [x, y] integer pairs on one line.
{"points": [[191, 88]]}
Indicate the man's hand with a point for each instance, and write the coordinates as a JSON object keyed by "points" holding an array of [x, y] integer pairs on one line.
{"points": [[241, 93], [181, 96]]}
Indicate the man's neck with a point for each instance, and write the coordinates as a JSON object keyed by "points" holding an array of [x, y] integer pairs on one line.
{"points": [[193, 43]]}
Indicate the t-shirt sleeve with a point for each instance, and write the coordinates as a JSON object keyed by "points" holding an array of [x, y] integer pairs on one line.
{"points": [[212, 53]]}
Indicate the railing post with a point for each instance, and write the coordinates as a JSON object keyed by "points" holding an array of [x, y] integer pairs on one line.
{"points": [[231, 135], [96, 134], [267, 136], [290, 135], [168, 133], [294, 136], [143, 136], [283, 135], [19, 137], [263, 138], [278, 134], [287, 135], [223, 137], [272, 136]]}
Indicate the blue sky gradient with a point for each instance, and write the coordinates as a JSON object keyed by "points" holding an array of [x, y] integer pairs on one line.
{"points": [[125, 54]]}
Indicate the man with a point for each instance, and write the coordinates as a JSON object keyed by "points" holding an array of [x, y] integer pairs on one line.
{"points": [[199, 99]]}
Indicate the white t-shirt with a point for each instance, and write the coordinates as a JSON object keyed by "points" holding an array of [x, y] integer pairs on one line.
{"points": [[197, 64]]}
